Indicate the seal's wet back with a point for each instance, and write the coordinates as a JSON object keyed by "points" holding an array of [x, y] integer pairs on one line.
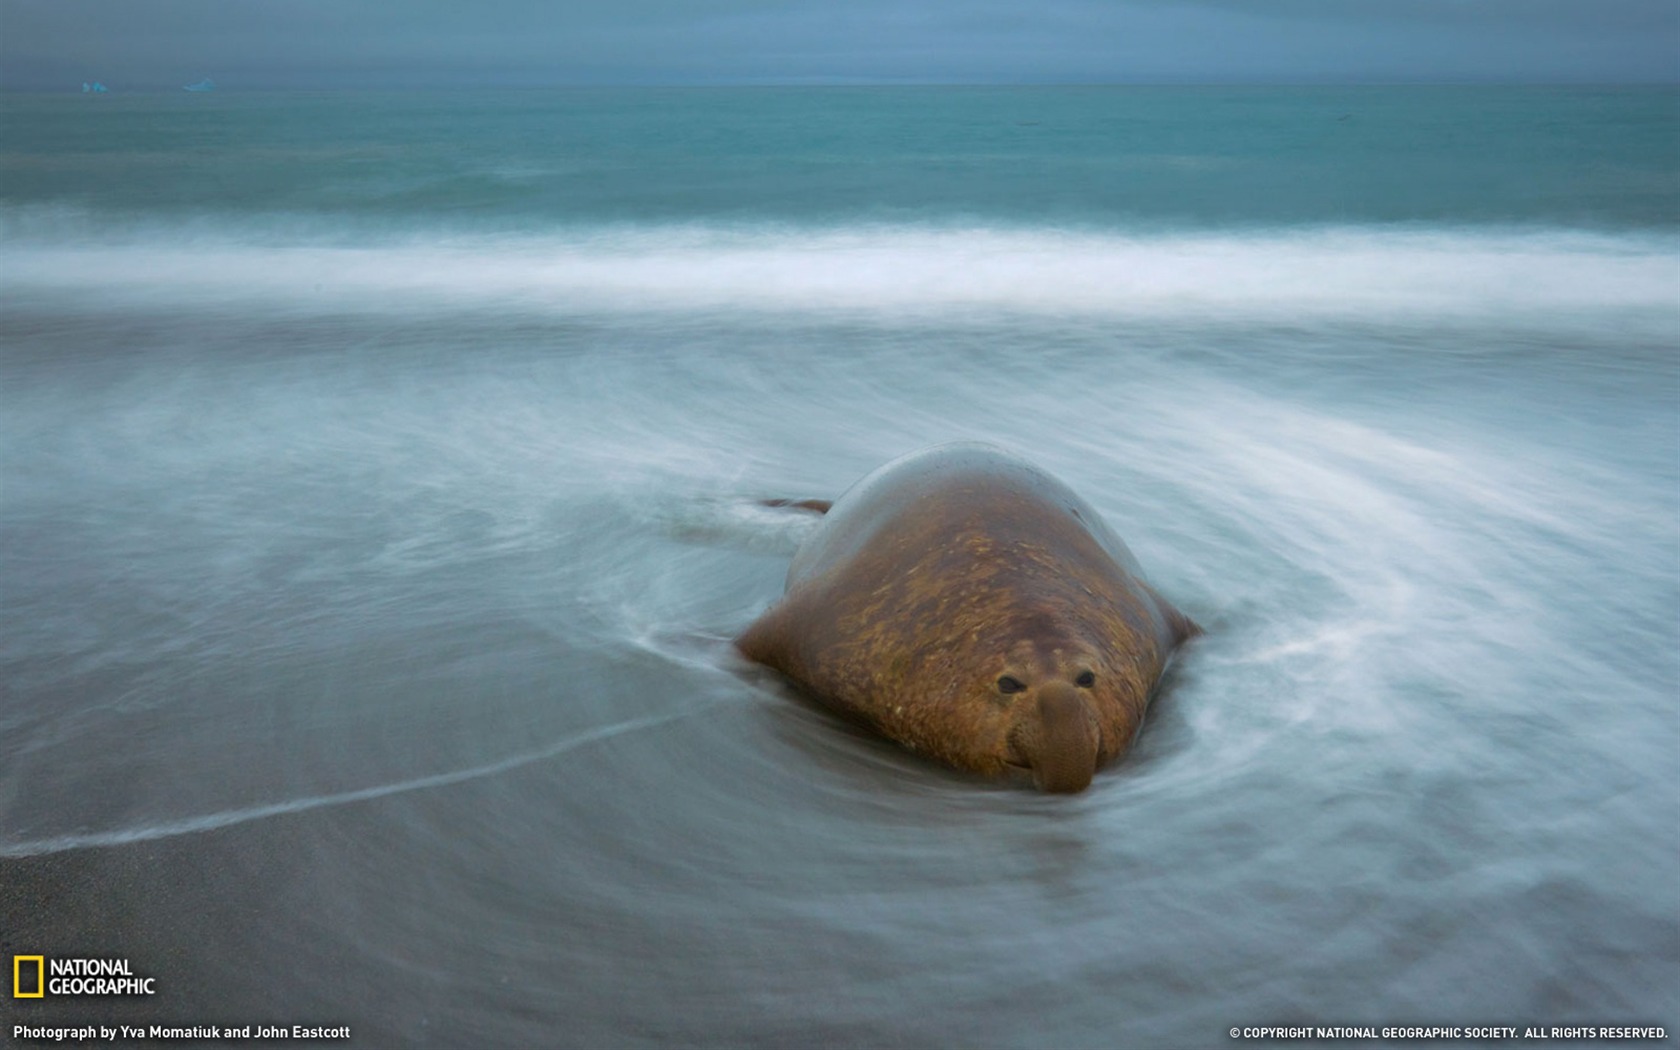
{"points": [[971, 607]]}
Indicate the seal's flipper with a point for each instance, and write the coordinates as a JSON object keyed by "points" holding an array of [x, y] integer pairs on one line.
{"points": [[765, 641], [820, 506]]}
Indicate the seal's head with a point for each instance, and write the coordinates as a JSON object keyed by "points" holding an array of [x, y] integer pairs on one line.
{"points": [[1055, 737], [1065, 710], [1032, 693]]}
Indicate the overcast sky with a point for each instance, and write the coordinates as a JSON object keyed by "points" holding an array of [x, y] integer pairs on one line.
{"points": [[403, 43]]}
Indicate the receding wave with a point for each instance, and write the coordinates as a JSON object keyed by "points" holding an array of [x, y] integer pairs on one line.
{"points": [[1368, 273], [228, 817]]}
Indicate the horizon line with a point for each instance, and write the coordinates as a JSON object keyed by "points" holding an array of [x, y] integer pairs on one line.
{"points": [[223, 87]]}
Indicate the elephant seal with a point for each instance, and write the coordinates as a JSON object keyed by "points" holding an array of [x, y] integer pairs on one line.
{"points": [[971, 607]]}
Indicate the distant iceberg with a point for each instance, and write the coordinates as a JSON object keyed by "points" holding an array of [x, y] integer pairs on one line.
{"points": [[203, 85], [94, 88]]}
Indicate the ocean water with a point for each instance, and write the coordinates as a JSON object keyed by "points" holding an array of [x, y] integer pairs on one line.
{"points": [[377, 502]]}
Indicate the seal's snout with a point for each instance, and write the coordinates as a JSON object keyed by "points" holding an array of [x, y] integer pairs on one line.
{"points": [[1060, 739]]}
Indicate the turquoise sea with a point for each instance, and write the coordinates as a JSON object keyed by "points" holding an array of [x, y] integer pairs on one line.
{"points": [[377, 502]]}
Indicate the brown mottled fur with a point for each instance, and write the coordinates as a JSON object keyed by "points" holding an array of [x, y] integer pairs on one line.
{"points": [[948, 569]]}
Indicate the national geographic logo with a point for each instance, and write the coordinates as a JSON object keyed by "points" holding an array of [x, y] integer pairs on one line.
{"points": [[36, 977]]}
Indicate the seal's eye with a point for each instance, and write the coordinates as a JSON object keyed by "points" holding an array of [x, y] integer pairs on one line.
{"points": [[1010, 684], [1085, 680]]}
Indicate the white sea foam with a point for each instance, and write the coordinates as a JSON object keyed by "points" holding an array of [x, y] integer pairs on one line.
{"points": [[1364, 273]]}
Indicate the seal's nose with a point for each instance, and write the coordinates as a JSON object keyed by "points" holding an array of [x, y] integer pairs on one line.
{"points": [[1062, 746]]}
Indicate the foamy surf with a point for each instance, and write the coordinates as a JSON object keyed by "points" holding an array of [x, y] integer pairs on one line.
{"points": [[1356, 273]]}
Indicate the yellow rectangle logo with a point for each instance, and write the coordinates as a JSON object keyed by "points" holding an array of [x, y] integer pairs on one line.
{"points": [[40, 991]]}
